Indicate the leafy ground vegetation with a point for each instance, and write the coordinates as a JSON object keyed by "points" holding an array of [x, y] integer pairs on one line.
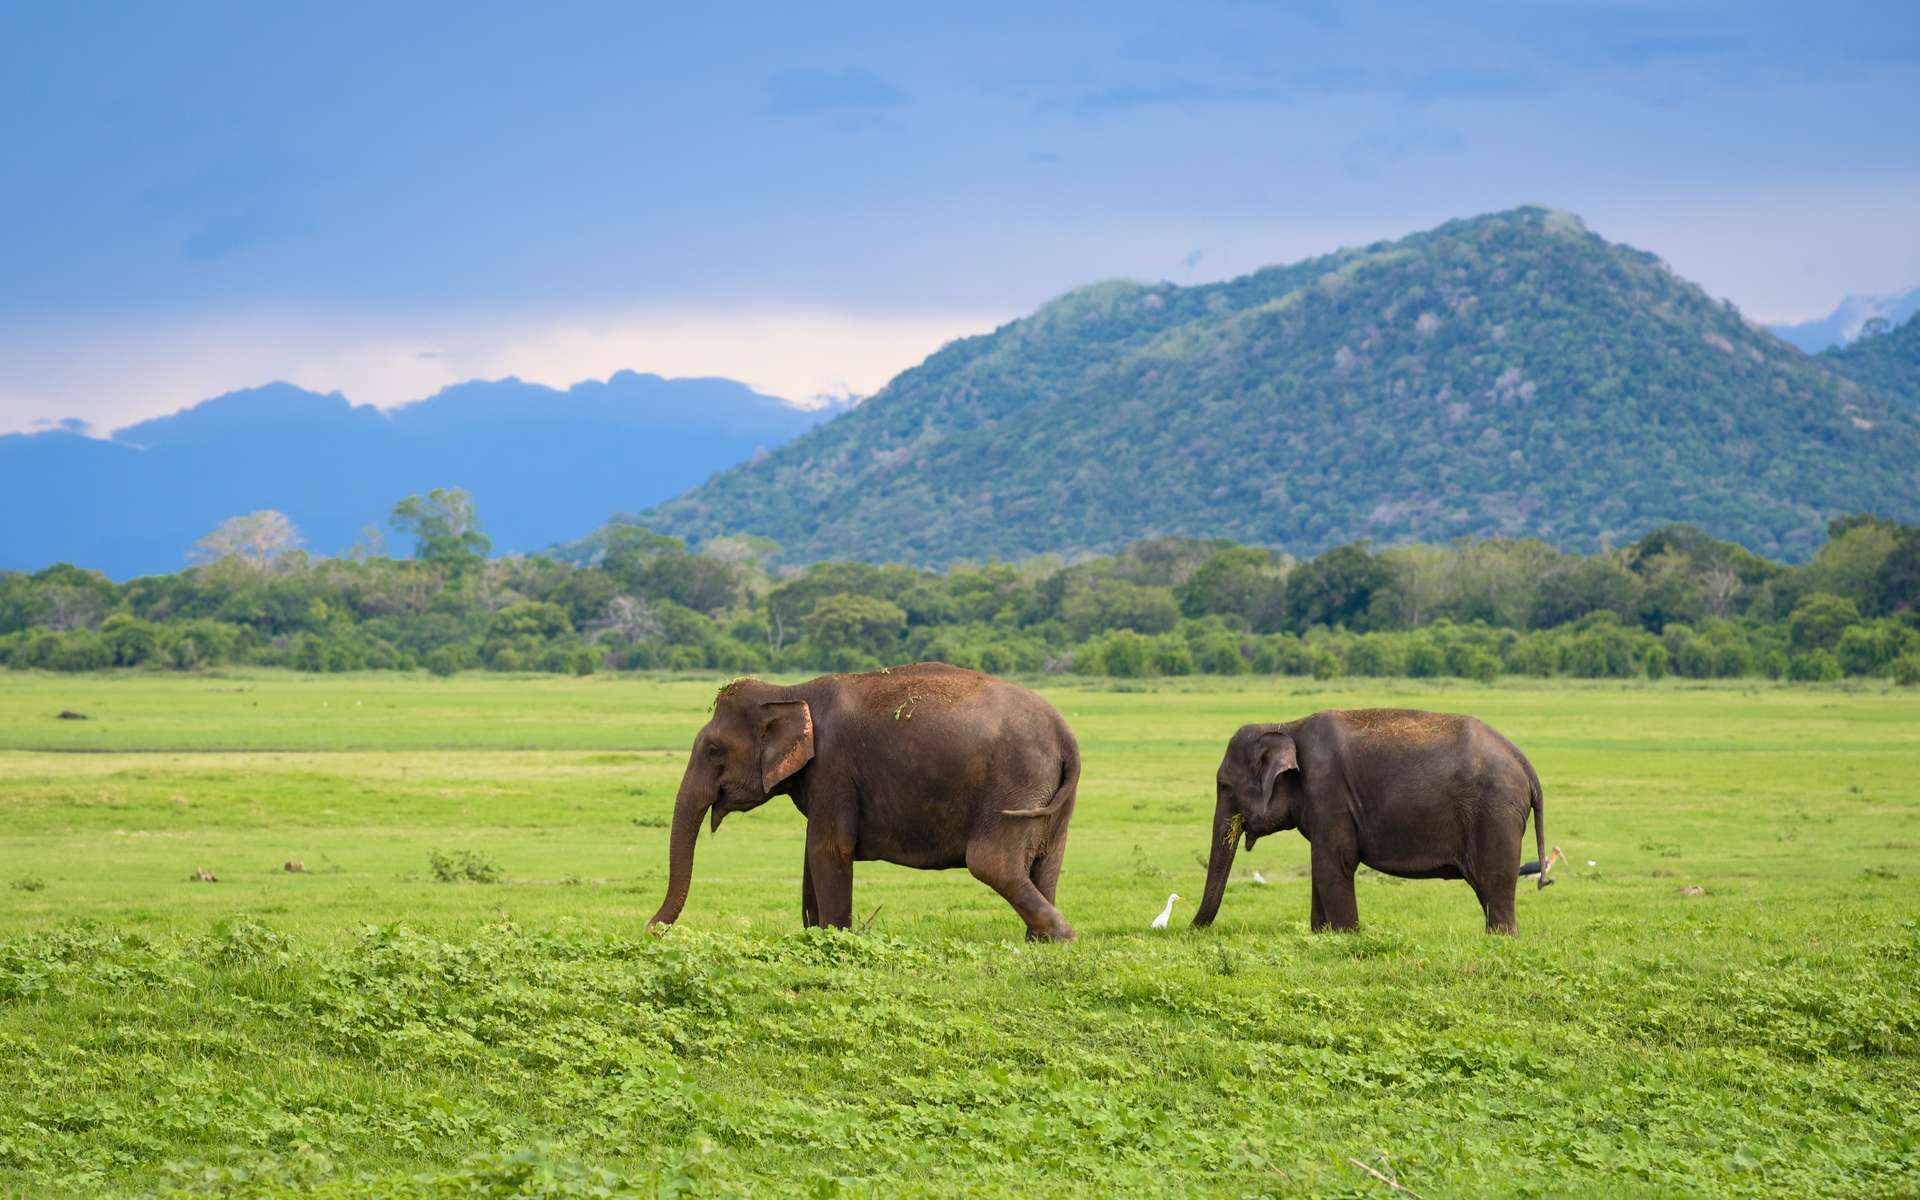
{"points": [[420, 968], [1676, 602]]}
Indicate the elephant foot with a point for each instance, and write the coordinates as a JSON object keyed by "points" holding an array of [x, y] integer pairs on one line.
{"points": [[1064, 933]]}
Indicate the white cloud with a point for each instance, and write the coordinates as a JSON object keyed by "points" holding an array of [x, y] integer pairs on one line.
{"points": [[113, 374]]}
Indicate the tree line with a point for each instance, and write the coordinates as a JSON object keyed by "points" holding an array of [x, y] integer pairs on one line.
{"points": [[1676, 602]]}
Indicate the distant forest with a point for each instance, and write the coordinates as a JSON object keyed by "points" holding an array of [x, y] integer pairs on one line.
{"points": [[1675, 602]]}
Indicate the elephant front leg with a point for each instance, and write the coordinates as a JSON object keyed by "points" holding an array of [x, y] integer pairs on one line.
{"points": [[1334, 906], [809, 907], [829, 870]]}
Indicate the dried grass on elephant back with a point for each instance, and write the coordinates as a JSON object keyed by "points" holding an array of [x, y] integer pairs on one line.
{"points": [[1402, 723], [897, 688]]}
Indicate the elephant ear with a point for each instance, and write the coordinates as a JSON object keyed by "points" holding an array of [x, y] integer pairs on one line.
{"points": [[786, 740], [1277, 757]]}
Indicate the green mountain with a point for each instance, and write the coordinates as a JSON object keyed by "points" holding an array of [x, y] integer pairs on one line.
{"points": [[1512, 374], [1888, 361]]}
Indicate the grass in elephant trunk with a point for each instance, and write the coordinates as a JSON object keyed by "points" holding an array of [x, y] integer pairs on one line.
{"points": [[363, 1028]]}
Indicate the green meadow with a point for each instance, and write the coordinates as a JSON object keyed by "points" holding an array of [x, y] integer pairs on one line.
{"points": [[456, 997]]}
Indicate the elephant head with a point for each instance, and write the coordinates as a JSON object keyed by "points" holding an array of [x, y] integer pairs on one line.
{"points": [[759, 737], [1251, 795]]}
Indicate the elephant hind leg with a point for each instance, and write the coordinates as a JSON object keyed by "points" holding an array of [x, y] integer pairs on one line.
{"points": [[1494, 889], [1011, 876], [1493, 868], [1046, 868], [1498, 902]]}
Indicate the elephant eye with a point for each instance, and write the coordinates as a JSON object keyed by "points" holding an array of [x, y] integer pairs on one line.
{"points": [[714, 751]]}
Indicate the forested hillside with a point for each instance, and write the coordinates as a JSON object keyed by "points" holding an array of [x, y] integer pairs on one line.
{"points": [[1888, 360], [1512, 375]]}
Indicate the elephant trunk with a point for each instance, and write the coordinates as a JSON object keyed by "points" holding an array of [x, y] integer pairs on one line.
{"points": [[688, 807], [1227, 825]]}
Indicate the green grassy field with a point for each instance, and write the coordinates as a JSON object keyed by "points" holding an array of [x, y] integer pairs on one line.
{"points": [[362, 1028]]}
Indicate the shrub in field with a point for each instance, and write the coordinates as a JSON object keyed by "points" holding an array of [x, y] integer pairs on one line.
{"points": [[735, 656], [1122, 653], [469, 866], [1171, 656], [1817, 622], [1692, 656], [1531, 654], [205, 643], [1282, 654], [33, 648], [448, 660], [1654, 662], [81, 650], [1816, 666], [242, 941], [1731, 660], [1219, 654], [132, 640], [1424, 659], [1478, 663], [1598, 646], [1376, 655], [1867, 649], [978, 647], [568, 660]]}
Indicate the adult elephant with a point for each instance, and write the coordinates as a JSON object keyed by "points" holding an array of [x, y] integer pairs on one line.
{"points": [[1417, 794], [925, 765]]}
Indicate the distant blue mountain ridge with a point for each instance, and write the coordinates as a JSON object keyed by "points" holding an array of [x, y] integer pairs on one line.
{"points": [[1841, 326], [542, 464]]}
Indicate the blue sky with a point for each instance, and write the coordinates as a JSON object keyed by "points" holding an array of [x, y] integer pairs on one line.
{"points": [[386, 198]]}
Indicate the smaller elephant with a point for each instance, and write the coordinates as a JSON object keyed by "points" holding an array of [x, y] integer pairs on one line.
{"points": [[1417, 794]]}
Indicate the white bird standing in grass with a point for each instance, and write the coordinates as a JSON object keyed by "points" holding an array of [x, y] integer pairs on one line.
{"points": [[1259, 878], [1160, 922]]}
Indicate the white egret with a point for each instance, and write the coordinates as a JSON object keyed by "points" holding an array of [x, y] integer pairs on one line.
{"points": [[1160, 922], [1259, 878]]}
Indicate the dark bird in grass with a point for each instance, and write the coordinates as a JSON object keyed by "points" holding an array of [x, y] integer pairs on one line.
{"points": [[1537, 867]]}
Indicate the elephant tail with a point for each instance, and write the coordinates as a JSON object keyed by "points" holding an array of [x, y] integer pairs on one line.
{"points": [[1539, 825], [1063, 793]]}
